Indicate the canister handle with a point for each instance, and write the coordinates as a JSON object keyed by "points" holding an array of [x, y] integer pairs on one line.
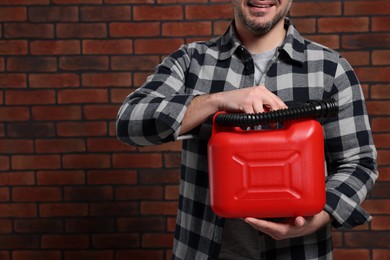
{"points": [[326, 108]]}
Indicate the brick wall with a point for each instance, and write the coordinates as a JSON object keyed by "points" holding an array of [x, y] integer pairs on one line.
{"points": [[68, 189]]}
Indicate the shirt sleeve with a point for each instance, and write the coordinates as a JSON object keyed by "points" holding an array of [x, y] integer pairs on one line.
{"points": [[350, 151], [152, 114]]}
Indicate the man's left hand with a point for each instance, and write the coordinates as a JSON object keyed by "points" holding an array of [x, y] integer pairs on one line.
{"points": [[291, 227]]}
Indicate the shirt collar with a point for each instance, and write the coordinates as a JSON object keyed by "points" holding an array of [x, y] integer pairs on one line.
{"points": [[293, 45]]}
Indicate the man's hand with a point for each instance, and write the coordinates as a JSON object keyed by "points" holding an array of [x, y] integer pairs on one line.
{"points": [[246, 100], [292, 227], [249, 100]]}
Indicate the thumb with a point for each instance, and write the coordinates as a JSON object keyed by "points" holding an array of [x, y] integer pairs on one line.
{"points": [[299, 221]]}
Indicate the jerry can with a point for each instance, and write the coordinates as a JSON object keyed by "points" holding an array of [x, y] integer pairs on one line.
{"points": [[271, 173]]}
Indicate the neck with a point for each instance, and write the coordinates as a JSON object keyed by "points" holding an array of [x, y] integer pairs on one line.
{"points": [[260, 43]]}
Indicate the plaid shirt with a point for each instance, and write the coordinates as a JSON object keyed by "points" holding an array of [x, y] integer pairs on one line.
{"points": [[300, 70]]}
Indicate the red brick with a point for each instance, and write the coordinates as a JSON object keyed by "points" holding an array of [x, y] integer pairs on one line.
{"points": [[142, 224], [220, 11], [114, 209], [345, 24], [366, 7], [59, 145], [19, 210], [159, 13], [384, 174], [77, 1], [171, 192], [171, 224], [121, 240], [366, 239], [13, 14], [371, 74], [157, 46], [35, 162], [163, 176], [90, 225], [24, 2], [61, 177], [81, 30], [117, 79], [4, 196], [5, 227], [381, 57], [28, 97], [107, 46], [19, 241], [36, 255], [82, 96], [357, 58], [150, 160], [16, 47], [380, 23], [63, 210], [38, 225], [65, 241], [380, 254], [17, 178], [138, 62], [158, 208], [14, 114], [378, 107], [172, 160], [315, 9], [360, 41], [4, 163], [32, 64], [36, 194], [220, 27], [84, 63], [379, 206], [139, 193], [140, 254], [94, 112], [53, 14], [382, 141], [107, 145], [157, 240], [90, 161], [89, 254], [186, 29], [138, 29], [383, 157], [124, 177], [96, 193], [82, 129], [31, 129], [55, 47], [381, 124], [380, 223], [55, 80], [356, 254], [304, 25], [118, 95], [9, 146], [329, 40], [56, 113], [28, 30], [105, 13]]}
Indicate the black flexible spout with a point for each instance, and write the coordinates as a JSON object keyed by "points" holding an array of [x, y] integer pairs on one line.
{"points": [[326, 108]]}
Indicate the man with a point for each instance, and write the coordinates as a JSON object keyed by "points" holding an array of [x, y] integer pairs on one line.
{"points": [[260, 63]]}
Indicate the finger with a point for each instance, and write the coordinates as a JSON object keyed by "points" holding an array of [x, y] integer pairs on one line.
{"points": [[299, 221]]}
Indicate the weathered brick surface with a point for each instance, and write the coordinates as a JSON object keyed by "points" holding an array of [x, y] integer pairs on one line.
{"points": [[69, 190]]}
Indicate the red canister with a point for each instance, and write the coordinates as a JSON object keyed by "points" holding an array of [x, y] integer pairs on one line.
{"points": [[267, 173]]}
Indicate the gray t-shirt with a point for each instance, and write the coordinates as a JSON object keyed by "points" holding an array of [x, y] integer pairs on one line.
{"points": [[239, 240]]}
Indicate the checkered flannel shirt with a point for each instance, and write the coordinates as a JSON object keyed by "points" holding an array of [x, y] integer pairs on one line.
{"points": [[301, 70]]}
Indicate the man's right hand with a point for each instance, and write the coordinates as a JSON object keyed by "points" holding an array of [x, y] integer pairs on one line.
{"points": [[246, 100]]}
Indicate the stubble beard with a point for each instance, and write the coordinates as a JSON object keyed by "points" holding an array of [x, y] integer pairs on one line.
{"points": [[261, 28]]}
